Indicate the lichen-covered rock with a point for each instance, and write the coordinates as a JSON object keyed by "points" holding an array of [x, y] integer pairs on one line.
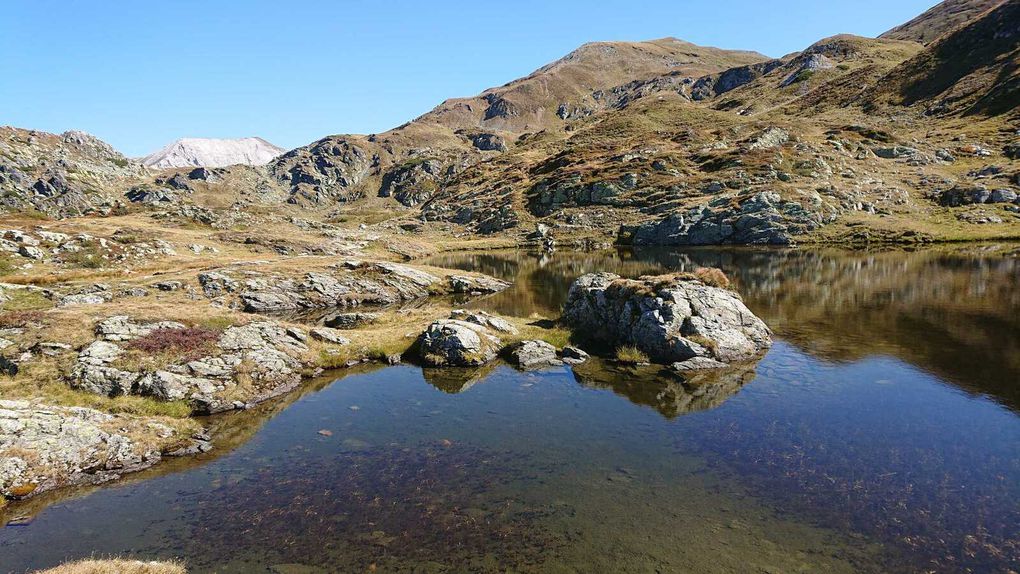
{"points": [[449, 342], [669, 318], [43, 447]]}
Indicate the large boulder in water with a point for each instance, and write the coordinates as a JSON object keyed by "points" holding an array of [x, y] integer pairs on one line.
{"points": [[454, 343], [671, 318]]}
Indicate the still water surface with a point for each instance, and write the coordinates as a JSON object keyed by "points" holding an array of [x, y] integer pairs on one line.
{"points": [[880, 433]]}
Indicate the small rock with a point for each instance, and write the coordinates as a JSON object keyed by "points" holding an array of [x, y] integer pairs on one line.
{"points": [[328, 335], [534, 355], [574, 356]]}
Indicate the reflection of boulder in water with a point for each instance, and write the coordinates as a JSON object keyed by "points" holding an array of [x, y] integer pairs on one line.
{"points": [[668, 392], [456, 379]]}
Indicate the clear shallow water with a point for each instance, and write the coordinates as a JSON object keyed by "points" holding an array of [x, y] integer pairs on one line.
{"points": [[879, 434]]}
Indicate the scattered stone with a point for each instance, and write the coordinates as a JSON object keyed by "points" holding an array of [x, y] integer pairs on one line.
{"points": [[895, 152], [169, 285], [83, 299]]}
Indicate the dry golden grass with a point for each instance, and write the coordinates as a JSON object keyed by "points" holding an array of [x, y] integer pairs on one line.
{"points": [[631, 355], [116, 566]]}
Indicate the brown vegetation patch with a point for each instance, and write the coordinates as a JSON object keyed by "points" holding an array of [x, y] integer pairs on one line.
{"points": [[20, 319], [189, 342]]}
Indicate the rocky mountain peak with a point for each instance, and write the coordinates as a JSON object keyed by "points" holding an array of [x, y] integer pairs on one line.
{"points": [[211, 152]]}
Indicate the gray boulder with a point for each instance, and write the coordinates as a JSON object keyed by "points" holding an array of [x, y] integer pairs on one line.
{"points": [[529, 355], [449, 342], [574, 356], [1003, 196], [669, 318]]}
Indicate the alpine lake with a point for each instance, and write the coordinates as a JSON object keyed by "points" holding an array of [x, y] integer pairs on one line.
{"points": [[881, 433]]}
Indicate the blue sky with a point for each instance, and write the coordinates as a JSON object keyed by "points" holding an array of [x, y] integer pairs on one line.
{"points": [[141, 74]]}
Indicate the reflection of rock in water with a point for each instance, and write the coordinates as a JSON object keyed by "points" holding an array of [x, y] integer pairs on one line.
{"points": [[669, 393], [456, 379], [449, 505]]}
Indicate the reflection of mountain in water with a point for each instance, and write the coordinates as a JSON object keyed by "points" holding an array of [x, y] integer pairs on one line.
{"points": [[666, 392], [953, 311]]}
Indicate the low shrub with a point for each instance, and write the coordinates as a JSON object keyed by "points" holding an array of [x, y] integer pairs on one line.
{"points": [[189, 342]]}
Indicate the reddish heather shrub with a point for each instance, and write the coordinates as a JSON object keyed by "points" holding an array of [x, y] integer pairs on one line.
{"points": [[187, 342], [18, 319]]}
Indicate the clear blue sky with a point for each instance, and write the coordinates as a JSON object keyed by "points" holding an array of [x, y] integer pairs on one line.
{"points": [[141, 74]]}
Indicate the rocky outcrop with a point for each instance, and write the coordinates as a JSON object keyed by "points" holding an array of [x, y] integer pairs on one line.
{"points": [[328, 170], [378, 284], [965, 195], [65, 175], [245, 365], [454, 343], [414, 182], [43, 447], [762, 219], [672, 318]]}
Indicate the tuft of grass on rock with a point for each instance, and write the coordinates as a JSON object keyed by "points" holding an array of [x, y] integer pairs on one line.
{"points": [[631, 355]]}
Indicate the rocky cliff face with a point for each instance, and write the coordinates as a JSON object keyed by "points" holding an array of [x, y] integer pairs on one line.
{"points": [[208, 152]]}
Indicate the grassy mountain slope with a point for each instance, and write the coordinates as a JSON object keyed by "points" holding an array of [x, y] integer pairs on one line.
{"points": [[940, 19]]}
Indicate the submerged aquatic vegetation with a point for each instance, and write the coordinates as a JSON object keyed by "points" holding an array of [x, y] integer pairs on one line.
{"points": [[392, 505]]}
